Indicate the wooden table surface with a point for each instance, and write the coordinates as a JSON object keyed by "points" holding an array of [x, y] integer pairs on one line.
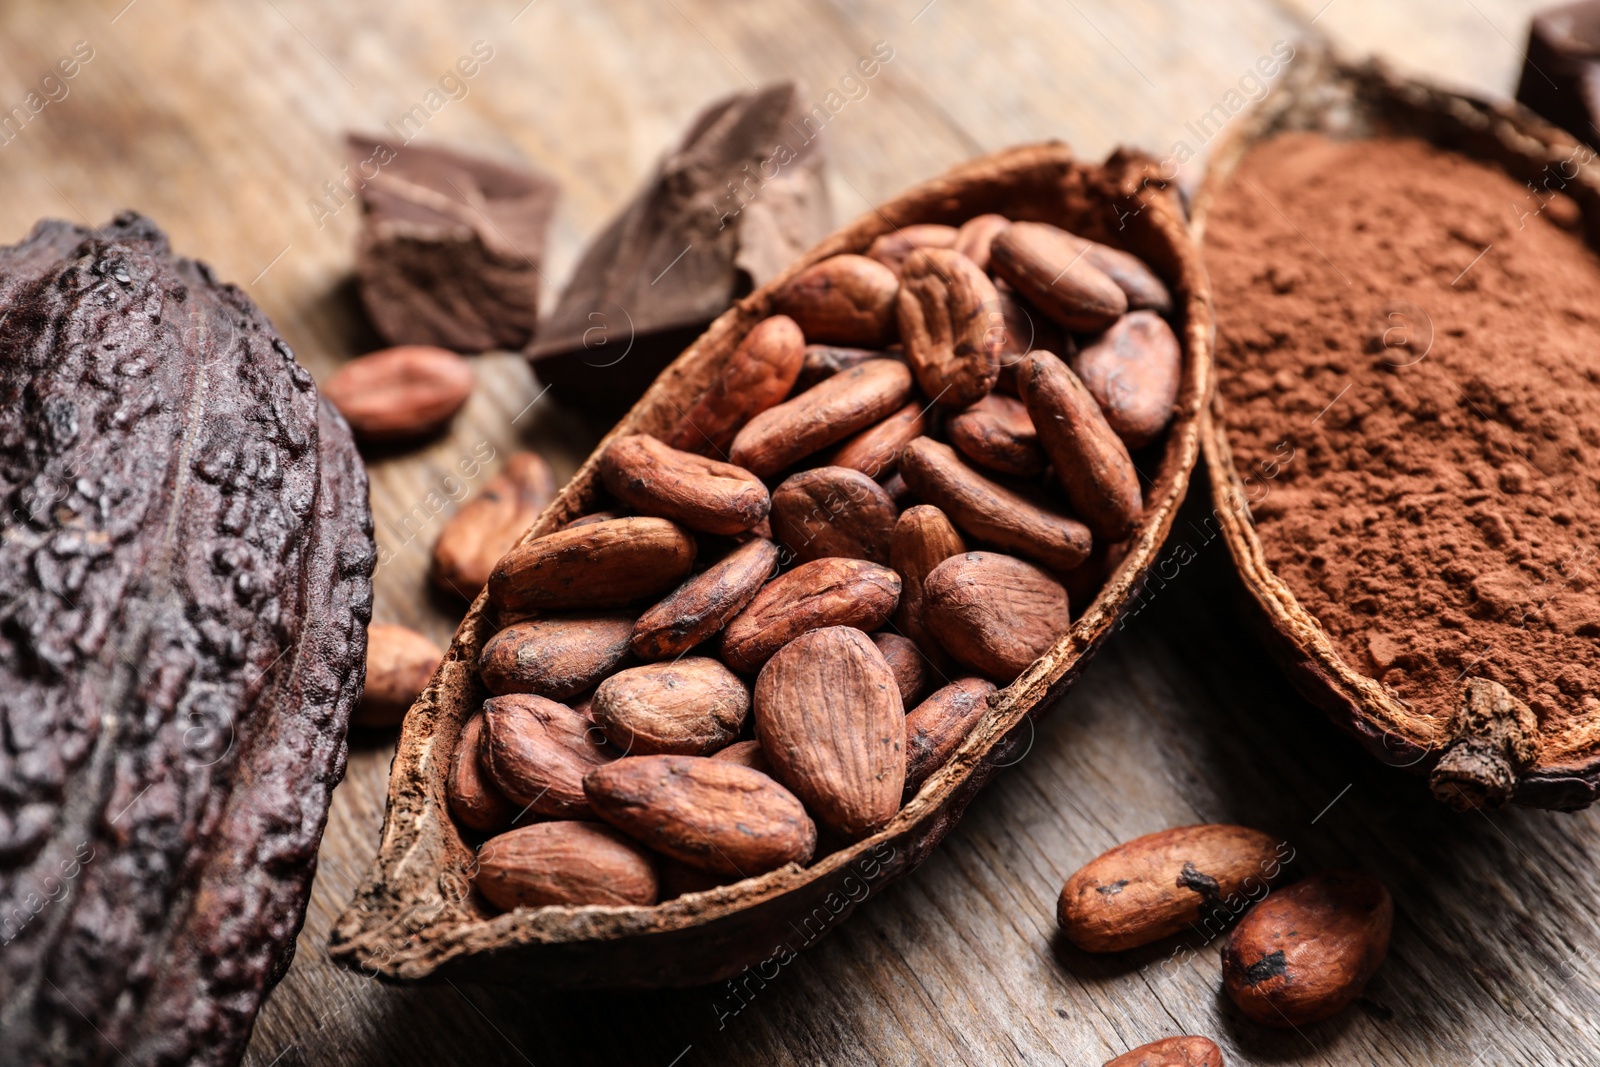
{"points": [[224, 121]]}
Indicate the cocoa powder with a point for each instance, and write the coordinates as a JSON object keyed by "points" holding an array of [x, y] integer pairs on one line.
{"points": [[1409, 350]]}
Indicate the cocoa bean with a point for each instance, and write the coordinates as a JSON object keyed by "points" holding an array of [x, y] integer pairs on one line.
{"points": [[833, 511], [711, 814], [1159, 884], [821, 416], [700, 493], [701, 606], [892, 248], [601, 565], [996, 433], [400, 394], [488, 525], [590, 520], [994, 613], [875, 451], [1091, 462], [1027, 328], [758, 375], [745, 754], [989, 511], [824, 361], [687, 707], [1305, 952], [1187, 1051], [471, 797], [976, 235], [829, 719], [898, 491], [824, 592], [399, 663], [536, 752], [843, 300], [936, 727], [564, 863], [1133, 371], [910, 667], [923, 538], [951, 322], [555, 658], [1132, 275], [1052, 268]]}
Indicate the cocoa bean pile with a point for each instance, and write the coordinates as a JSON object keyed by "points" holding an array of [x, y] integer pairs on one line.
{"points": [[799, 600]]}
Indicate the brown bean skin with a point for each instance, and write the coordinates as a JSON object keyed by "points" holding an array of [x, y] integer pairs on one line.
{"points": [[600, 565], [555, 658], [833, 511], [912, 671], [704, 604], [471, 796], [996, 433], [695, 491], [1133, 371], [952, 326], [564, 863], [400, 394], [758, 375], [843, 300], [892, 248], [824, 592], [995, 614], [491, 523], [976, 236], [875, 451], [826, 414], [1185, 1051], [399, 663], [1051, 268], [936, 727], [923, 538], [536, 752]]}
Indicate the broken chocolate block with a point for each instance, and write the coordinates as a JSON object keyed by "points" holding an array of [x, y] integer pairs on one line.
{"points": [[1561, 78], [185, 564], [451, 246]]}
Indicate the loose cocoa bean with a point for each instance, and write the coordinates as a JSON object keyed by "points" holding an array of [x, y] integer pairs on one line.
{"points": [[687, 707], [700, 493], [824, 592], [555, 658], [829, 718], [471, 797], [711, 814], [996, 433], [923, 538], [989, 511], [1090, 460], [892, 248], [1161, 883], [976, 236], [824, 361], [911, 669], [488, 525], [601, 565], [536, 752], [758, 375], [993, 613], [833, 511], [1185, 1051], [936, 727], [745, 754], [399, 663], [701, 606], [590, 520], [1026, 329], [821, 416], [400, 394], [898, 491], [1305, 952], [1133, 371], [951, 322], [1132, 275], [1052, 268], [564, 863], [875, 451], [843, 300]]}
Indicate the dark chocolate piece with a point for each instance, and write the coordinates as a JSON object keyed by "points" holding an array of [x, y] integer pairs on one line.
{"points": [[1561, 78], [451, 246], [185, 563]]}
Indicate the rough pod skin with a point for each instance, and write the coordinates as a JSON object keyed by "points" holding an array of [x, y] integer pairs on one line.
{"points": [[1304, 953], [829, 719], [1185, 1051], [1159, 884], [488, 525], [399, 663], [759, 374], [564, 863], [714, 815], [995, 614], [694, 491], [951, 323], [400, 394], [843, 300], [600, 565], [186, 553]]}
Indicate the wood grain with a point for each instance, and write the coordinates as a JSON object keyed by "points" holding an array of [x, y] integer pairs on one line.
{"points": [[223, 121]]}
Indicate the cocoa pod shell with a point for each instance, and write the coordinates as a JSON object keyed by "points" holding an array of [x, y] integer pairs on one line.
{"points": [[691, 490], [1305, 952], [536, 753], [758, 375], [875, 451], [996, 433], [1051, 267], [991, 512], [1133, 370], [833, 511], [936, 727], [487, 526], [824, 592], [1091, 462], [711, 814], [821, 416], [1186, 1051], [400, 394], [1166, 882], [472, 797], [911, 669], [686, 707], [555, 658], [704, 604], [996, 614], [601, 565], [951, 325], [564, 862], [829, 719], [892, 248], [399, 663], [843, 300]]}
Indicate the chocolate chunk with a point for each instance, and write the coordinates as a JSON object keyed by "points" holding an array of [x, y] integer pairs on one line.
{"points": [[185, 559], [1561, 78], [450, 247]]}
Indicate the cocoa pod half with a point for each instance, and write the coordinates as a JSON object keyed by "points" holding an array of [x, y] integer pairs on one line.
{"points": [[399, 663], [833, 511], [555, 658], [936, 727], [487, 526], [601, 565], [687, 707], [843, 300], [824, 592], [704, 604], [1133, 371], [1159, 884], [759, 374], [1052, 268], [536, 752], [700, 493], [994, 613], [952, 326], [821, 416], [564, 863], [400, 394], [1305, 952], [711, 814]]}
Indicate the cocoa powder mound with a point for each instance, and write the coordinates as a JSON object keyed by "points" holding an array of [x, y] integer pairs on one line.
{"points": [[1409, 351]]}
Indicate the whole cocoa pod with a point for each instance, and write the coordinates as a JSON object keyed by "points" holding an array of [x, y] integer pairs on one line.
{"points": [[759, 374], [564, 863], [488, 525], [843, 300], [399, 394]]}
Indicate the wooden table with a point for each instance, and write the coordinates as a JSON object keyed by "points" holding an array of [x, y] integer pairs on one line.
{"points": [[224, 121]]}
